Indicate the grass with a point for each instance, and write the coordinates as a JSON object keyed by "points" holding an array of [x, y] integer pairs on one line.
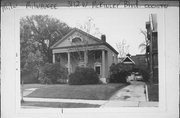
{"points": [[64, 91], [153, 92], [60, 105]]}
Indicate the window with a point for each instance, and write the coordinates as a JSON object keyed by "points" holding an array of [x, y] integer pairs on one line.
{"points": [[76, 40], [97, 56]]}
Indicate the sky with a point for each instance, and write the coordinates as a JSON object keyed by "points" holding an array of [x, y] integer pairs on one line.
{"points": [[116, 24]]}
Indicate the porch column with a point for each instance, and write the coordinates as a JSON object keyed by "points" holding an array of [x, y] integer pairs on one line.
{"points": [[69, 63], [85, 58], [103, 63], [53, 57]]}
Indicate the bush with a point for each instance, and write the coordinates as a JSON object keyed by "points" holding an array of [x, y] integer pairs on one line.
{"points": [[83, 76], [28, 77], [53, 74], [119, 72], [119, 77]]}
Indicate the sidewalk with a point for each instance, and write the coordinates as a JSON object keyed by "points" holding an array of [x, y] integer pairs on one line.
{"points": [[98, 102]]}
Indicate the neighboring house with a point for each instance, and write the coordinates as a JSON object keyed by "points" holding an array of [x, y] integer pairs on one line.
{"points": [[128, 60], [140, 61], [128, 63], [135, 61], [152, 35], [79, 48]]}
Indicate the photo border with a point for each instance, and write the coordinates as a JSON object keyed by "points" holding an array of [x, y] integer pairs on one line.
{"points": [[163, 101]]}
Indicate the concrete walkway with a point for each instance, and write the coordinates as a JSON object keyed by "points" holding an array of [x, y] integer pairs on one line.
{"points": [[98, 102], [133, 95], [133, 92]]}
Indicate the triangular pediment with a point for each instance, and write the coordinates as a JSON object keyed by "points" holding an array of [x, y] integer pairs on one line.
{"points": [[76, 37], [128, 60]]}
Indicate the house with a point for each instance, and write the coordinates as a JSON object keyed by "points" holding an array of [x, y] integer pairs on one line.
{"points": [[140, 61], [79, 48], [135, 61], [152, 35], [128, 60], [128, 63]]}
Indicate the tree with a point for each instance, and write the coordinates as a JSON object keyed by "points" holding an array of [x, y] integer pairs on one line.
{"points": [[35, 32], [145, 46], [90, 28], [123, 48]]}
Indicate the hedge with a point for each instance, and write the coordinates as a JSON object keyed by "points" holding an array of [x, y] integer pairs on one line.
{"points": [[53, 74], [119, 77], [29, 77], [82, 76]]}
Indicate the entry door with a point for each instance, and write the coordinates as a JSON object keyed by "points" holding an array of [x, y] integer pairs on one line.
{"points": [[98, 70]]}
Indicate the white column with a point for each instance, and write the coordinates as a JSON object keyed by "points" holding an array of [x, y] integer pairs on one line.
{"points": [[53, 57], [69, 63], [103, 63], [85, 58]]}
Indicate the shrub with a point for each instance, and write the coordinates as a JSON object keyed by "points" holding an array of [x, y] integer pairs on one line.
{"points": [[28, 77], [53, 73], [119, 72], [83, 75], [119, 77]]}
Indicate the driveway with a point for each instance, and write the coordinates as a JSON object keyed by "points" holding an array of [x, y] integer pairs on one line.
{"points": [[133, 92], [133, 95]]}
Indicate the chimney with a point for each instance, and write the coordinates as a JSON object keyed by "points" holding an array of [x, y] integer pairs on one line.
{"points": [[103, 38]]}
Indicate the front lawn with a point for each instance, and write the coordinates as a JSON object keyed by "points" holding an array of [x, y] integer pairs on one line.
{"points": [[60, 105], [88, 92]]}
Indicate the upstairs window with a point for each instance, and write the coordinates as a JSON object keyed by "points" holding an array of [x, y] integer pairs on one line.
{"points": [[76, 40], [97, 56]]}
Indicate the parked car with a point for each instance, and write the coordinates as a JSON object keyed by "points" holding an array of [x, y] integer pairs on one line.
{"points": [[138, 76]]}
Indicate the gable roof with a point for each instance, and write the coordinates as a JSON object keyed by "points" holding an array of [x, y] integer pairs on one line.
{"points": [[139, 59], [99, 41], [128, 60]]}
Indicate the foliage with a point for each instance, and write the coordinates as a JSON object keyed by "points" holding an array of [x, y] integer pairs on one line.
{"points": [[39, 33], [30, 72], [123, 48], [145, 46], [119, 72], [119, 77], [83, 75], [90, 27], [29, 77], [146, 43], [53, 74], [115, 68]]}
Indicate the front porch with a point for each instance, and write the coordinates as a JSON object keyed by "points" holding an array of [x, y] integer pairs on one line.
{"points": [[96, 59]]}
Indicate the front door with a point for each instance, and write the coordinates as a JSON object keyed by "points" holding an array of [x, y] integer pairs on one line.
{"points": [[98, 70]]}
